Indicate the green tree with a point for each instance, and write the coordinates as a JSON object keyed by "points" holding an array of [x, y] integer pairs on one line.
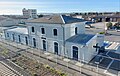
{"points": [[40, 15], [109, 25], [117, 25]]}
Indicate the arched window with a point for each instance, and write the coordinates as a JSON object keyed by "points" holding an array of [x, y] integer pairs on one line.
{"points": [[76, 30], [75, 52], [43, 30], [34, 42], [19, 38], [7, 34], [26, 39], [13, 37], [55, 47], [33, 29], [44, 45], [55, 32]]}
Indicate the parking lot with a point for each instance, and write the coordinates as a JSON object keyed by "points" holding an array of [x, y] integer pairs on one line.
{"points": [[112, 35], [110, 61]]}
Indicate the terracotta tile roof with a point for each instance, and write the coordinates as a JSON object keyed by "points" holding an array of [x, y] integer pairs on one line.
{"points": [[56, 19]]}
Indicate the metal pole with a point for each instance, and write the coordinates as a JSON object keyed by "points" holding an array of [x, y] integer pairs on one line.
{"points": [[119, 73], [67, 57], [97, 70], [80, 67], [56, 58], [67, 61]]}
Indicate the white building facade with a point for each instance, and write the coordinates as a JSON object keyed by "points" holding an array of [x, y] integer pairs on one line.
{"points": [[29, 13], [17, 34], [59, 34]]}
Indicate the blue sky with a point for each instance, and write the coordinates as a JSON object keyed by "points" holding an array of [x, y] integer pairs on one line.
{"points": [[59, 6]]}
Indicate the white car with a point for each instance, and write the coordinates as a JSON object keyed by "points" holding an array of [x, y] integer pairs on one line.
{"points": [[118, 30]]}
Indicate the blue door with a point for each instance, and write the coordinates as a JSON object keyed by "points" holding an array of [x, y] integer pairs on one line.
{"points": [[44, 45], [75, 52], [56, 48]]}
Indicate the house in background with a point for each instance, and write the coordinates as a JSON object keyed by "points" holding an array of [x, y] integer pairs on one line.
{"points": [[18, 19], [29, 13], [58, 34], [106, 18], [5, 21]]}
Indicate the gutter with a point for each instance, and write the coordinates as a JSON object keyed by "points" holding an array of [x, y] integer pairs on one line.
{"points": [[63, 38], [63, 34]]}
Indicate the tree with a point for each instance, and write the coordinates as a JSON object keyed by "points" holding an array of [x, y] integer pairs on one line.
{"points": [[40, 15], [76, 13], [109, 25], [117, 25]]}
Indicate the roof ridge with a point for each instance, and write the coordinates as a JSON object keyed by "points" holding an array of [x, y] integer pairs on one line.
{"points": [[62, 18]]}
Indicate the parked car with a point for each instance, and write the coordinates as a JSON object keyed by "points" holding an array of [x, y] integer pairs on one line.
{"points": [[98, 58], [118, 30], [87, 26]]}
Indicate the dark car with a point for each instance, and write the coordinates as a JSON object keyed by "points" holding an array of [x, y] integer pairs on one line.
{"points": [[98, 59]]}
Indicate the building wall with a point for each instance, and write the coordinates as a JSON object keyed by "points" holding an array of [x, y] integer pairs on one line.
{"points": [[70, 29], [30, 13], [50, 38], [91, 51], [16, 38], [48, 30], [85, 52]]}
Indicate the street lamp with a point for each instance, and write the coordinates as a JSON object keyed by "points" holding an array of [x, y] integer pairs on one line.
{"points": [[56, 59], [97, 63], [81, 59], [118, 73], [105, 28], [80, 66]]}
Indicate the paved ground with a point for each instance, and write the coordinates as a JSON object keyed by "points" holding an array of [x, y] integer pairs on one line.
{"points": [[113, 35], [110, 62]]}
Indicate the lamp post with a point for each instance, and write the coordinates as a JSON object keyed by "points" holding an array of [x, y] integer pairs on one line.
{"points": [[105, 28], [56, 60], [119, 73], [97, 70], [80, 67], [81, 59]]}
